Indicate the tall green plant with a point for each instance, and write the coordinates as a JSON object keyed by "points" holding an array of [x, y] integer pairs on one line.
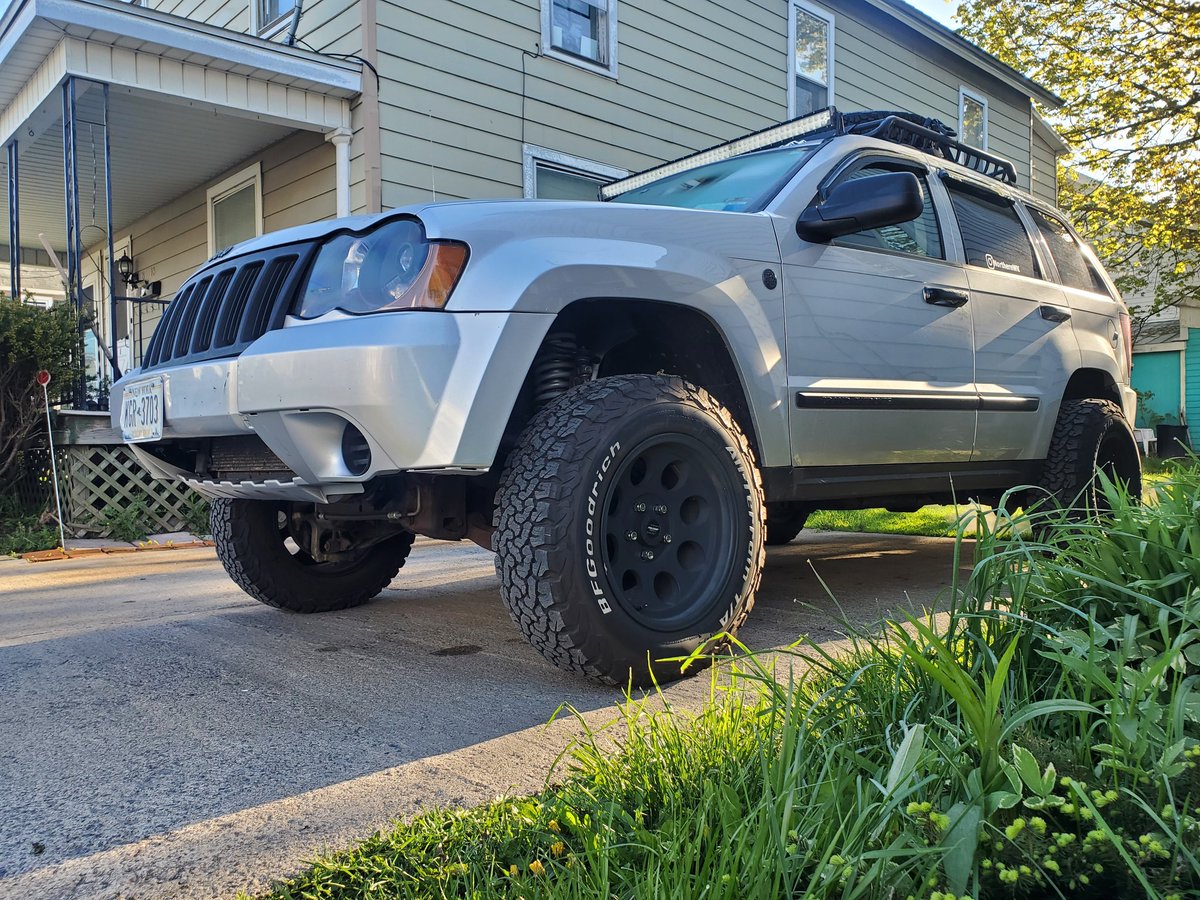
{"points": [[31, 338]]}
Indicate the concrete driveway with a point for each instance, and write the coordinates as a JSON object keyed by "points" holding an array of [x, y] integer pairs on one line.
{"points": [[163, 735]]}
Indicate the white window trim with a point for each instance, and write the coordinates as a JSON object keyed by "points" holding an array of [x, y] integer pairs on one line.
{"points": [[791, 50], [965, 93], [267, 30], [609, 69], [222, 189], [531, 155]]}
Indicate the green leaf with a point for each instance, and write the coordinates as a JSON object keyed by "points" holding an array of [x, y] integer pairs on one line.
{"points": [[961, 841], [907, 755], [1045, 708]]}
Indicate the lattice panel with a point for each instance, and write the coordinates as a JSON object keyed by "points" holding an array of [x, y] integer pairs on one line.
{"points": [[102, 477]]}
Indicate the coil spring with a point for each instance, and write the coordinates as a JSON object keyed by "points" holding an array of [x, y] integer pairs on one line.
{"points": [[560, 366]]}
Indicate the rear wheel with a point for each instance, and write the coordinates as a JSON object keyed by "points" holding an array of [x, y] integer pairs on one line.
{"points": [[784, 522], [629, 528], [264, 551], [1090, 436]]}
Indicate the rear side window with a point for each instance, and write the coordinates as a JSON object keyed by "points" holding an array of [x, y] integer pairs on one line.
{"points": [[1074, 269], [993, 236], [920, 237]]}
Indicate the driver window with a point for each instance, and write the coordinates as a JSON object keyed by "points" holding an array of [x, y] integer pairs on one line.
{"points": [[920, 237]]}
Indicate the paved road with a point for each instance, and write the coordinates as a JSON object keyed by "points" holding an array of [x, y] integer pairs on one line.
{"points": [[162, 735]]}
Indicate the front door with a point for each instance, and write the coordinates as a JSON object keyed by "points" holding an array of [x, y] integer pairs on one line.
{"points": [[879, 350]]}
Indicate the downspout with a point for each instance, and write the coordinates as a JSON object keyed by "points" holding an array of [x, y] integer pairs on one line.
{"points": [[341, 155], [370, 137]]}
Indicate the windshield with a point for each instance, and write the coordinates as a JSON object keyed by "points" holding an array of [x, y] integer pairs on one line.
{"points": [[734, 185]]}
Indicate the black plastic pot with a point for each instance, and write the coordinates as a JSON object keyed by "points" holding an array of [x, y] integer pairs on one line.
{"points": [[1172, 441]]}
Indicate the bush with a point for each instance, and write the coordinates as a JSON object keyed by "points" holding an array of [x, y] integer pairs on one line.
{"points": [[1040, 738], [127, 523], [31, 338]]}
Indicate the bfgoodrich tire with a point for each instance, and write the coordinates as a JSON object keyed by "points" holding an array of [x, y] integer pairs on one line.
{"points": [[1090, 436], [630, 528], [252, 544]]}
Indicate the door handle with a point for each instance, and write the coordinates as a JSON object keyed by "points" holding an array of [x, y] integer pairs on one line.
{"points": [[1054, 313], [938, 296]]}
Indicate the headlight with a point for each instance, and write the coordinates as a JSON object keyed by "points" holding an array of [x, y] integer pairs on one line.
{"points": [[392, 267]]}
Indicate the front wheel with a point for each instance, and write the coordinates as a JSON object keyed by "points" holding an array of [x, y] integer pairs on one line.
{"points": [[257, 543], [630, 528]]}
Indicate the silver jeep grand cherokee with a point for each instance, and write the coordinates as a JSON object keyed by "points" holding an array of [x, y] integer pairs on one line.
{"points": [[628, 400]]}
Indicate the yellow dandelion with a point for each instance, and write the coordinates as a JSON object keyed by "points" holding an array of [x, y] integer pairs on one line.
{"points": [[558, 848], [537, 868]]}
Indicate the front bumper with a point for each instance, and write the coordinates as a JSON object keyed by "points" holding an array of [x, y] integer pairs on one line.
{"points": [[428, 390]]}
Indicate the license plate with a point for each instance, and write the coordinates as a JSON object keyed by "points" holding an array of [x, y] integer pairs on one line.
{"points": [[142, 412]]}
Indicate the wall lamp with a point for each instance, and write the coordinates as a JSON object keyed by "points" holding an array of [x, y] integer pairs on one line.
{"points": [[130, 276]]}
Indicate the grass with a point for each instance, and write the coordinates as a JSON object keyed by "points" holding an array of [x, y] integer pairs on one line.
{"points": [[1041, 739], [930, 521]]}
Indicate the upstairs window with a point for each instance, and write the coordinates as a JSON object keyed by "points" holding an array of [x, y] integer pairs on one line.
{"points": [[992, 233], [273, 13], [972, 118], [1074, 268], [810, 66], [583, 32]]}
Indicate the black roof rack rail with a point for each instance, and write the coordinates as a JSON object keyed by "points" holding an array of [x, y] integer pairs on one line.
{"points": [[932, 137], [919, 132]]}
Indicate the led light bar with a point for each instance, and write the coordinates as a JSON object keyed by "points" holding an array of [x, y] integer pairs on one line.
{"points": [[760, 140]]}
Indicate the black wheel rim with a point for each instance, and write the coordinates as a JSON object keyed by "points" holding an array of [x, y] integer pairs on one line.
{"points": [[669, 529]]}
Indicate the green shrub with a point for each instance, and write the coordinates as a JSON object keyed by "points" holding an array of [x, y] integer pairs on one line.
{"points": [[196, 516], [127, 523], [31, 338]]}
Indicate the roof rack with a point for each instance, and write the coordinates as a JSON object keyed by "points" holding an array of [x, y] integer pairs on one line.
{"points": [[928, 135], [931, 136]]}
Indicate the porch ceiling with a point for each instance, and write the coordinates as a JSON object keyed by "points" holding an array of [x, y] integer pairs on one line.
{"points": [[160, 151]]}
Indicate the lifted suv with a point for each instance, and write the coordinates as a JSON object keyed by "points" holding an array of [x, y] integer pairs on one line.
{"points": [[629, 400]]}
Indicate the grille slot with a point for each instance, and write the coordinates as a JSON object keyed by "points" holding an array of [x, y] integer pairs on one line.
{"points": [[222, 309]]}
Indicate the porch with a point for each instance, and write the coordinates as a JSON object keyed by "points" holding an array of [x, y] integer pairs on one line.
{"points": [[111, 114]]}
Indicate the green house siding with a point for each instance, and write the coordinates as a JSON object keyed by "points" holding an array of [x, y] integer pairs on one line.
{"points": [[1158, 373], [1192, 363]]}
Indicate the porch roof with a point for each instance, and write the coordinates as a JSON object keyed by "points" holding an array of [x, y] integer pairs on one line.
{"points": [[30, 30], [188, 101]]}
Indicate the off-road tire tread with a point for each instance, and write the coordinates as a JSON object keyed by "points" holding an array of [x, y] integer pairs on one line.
{"points": [[782, 527], [234, 539], [532, 517], [1070, 465]]}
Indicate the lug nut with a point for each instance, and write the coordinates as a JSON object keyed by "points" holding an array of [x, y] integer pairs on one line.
{"points": [[666, 539], [639, 507], [631, 535], [648, 555], [661, 509]]}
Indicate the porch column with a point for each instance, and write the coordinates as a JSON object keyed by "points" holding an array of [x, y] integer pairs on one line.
{"points": [[14, 222], [340, 138]]}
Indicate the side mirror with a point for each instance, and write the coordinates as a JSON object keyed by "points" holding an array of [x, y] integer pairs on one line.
{"points": [[861, 204]]}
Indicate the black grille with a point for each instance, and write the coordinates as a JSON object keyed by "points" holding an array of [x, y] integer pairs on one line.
{"points": [[222, 309]]}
